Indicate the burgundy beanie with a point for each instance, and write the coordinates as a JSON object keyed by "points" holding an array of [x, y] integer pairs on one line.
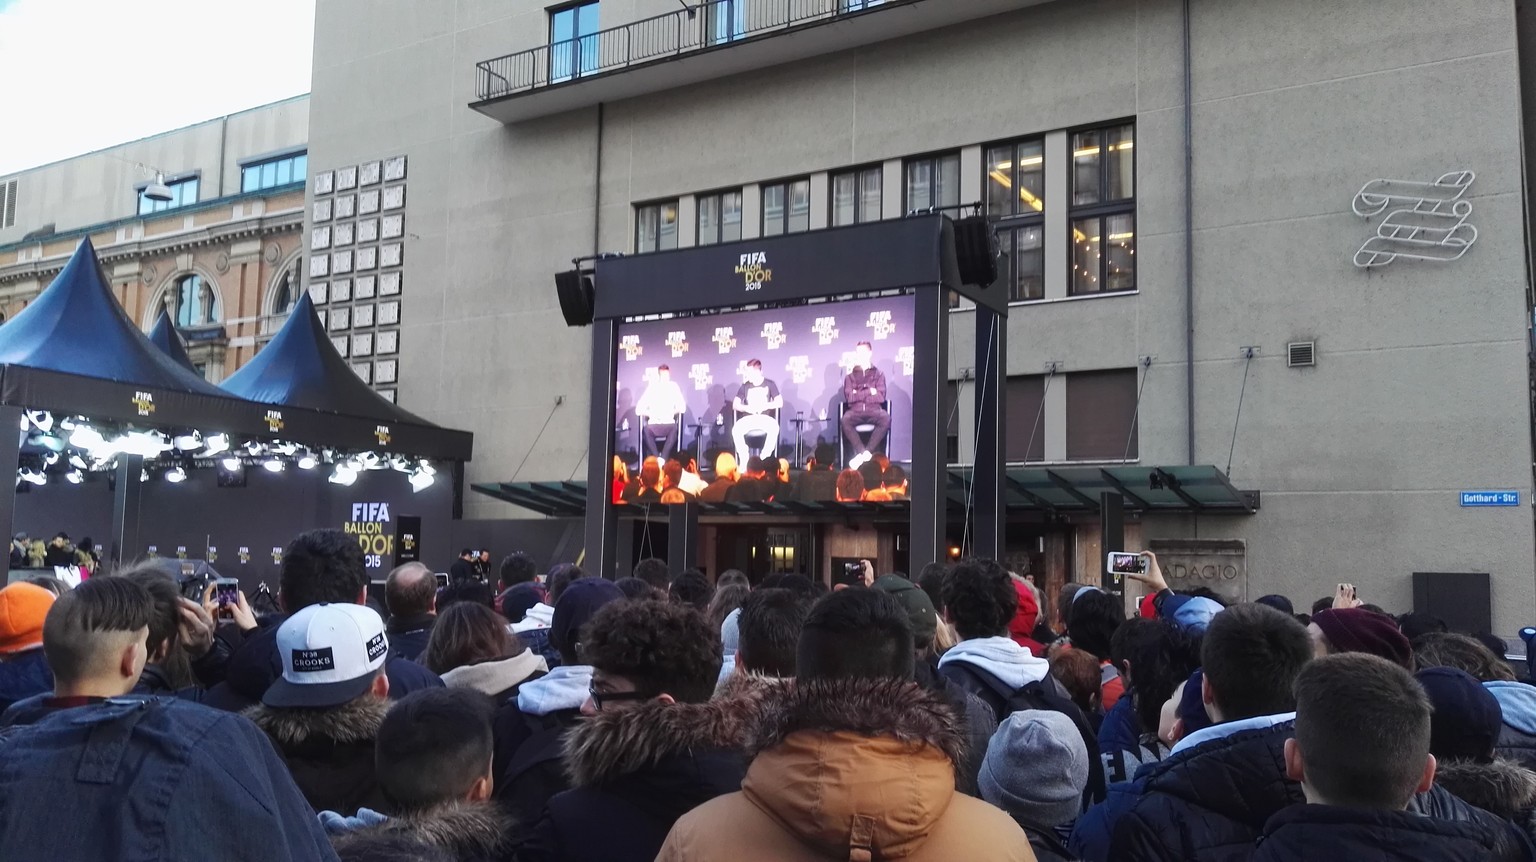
{"points": [[1360, 630]]}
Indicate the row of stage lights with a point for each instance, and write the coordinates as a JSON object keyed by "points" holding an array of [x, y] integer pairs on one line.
{"points": [[88, 448]]}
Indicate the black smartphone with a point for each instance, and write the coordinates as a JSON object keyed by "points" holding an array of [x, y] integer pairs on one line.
{"points": [[442, 579], [853, 574]]}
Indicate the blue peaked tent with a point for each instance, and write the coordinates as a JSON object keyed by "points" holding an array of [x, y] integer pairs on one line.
{"points": [[165, 337]]}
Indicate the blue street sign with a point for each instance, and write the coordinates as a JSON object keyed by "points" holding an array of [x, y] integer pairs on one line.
{"points": [[1476, 499]]}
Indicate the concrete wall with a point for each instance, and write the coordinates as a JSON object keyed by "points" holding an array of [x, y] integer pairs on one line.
{"points": [[1421, 387], [100, 186]]}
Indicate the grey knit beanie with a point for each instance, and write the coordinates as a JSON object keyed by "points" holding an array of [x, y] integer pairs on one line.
{"points": [[1036, 768]]}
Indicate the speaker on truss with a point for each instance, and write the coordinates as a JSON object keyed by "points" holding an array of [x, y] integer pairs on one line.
{"points": [[574, 288], [976, 250]]}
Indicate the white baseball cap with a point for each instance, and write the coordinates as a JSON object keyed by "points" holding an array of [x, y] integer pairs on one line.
{"points": [[330, 654]]}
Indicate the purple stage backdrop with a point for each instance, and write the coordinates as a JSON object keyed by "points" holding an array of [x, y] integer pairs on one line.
{"points": [[806, 350]]}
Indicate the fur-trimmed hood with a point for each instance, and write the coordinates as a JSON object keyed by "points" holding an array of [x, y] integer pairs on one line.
{"points": [[1502, 787], [467, 830], [897, 708], [744, 684], [357, 721], [616, 743]]}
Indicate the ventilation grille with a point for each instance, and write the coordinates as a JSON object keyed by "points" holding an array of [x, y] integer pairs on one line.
{"points": [[7, 204], [1301, 354]]}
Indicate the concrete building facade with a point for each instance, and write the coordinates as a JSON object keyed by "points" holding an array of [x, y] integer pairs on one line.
{"points": [[224, 255], [1177, 187]]}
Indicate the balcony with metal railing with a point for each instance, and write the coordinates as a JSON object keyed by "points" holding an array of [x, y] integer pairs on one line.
{"points": [[706, 40]]}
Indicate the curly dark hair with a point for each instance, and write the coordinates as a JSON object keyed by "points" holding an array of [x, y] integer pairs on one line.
{"points": [[1156, 656], [979, 598], [692, 588], [517, 568], [1448, 649], [634, 588], [1095, 617], [662, 647], [321, 566]]}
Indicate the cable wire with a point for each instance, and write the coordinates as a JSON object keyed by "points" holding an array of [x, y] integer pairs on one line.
{"points": [[535, 441], [1248, 352], [1146, 365]]}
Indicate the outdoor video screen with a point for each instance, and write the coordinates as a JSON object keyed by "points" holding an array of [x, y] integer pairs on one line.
{"points": [[767, 384]]}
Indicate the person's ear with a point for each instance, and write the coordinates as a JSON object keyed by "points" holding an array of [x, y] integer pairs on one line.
{"points": [[380, 687], [1205, 691], [481, 789], [666, 699], [1295, 770], [1427, 780], [1177, 731]]}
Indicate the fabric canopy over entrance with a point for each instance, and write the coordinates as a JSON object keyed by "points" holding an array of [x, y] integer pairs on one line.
{"points": [[165, 337], [74, 351], [300, 368]]}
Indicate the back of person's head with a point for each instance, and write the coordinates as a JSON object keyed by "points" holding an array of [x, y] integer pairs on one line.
{"points": [[1360, 630], [23, 608], [410, 590], [517, 568], [1467, 720], [434, 747], [732, 577], [1416, 624], [1493, 642], [650, 474], [825, 455], [580, 602], [692, 589], [870, 472], [768, 631], [1078, 672], [795, 583], [471, 592], [1095, 617], [1251, 656], [725, 466], [931, 579], [672, 471], [1278, 602], [653, 572], [99, 630], [163, 625], [322, 566], [560, 579], [725, 600], [1155, 655], [920, 613], [50, 583], [1448, 649], [1362, 733], [1064, 598], [468, 633], [979, 598], [850, 486], [634, 588], [660, 647], [855, 634], [1036, 768], [894, 477], [1322, 604]]}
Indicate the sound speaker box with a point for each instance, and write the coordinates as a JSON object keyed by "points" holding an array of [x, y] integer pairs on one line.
{"points": [[574, 288], [1463, 599], [976, 250]]}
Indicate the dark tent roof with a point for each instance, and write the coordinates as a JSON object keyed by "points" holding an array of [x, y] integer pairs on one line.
{"points": [[300, 367], [165, 337], [76, 326]]}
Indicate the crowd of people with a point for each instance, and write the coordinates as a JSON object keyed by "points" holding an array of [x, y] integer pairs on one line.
{"points": [[567, 718], [58, 552], [876, 479]]}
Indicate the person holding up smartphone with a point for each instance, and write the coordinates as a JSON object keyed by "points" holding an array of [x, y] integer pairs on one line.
{"points": [[1191, 613]]}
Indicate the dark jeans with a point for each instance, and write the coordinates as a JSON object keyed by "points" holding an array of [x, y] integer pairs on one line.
{"points": [[659, 440], [865, 415]]}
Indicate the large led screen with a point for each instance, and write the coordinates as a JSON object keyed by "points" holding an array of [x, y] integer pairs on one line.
{"points": [[768, 383]]}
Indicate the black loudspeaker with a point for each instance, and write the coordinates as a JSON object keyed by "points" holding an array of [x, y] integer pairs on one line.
{"points": [[976, 250], [575, 291], [1463, 599]]}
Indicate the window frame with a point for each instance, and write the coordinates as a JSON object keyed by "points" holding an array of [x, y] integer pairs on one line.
{"points": [[212, 312], [260, 162], [1101, 210], [762, 205], [719, 228], [658, 205], [1021, 218], [175, 182], [859, 216], [571, 66], [934, 159]]}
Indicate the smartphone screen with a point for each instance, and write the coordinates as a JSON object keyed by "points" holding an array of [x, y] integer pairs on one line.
{"points": [[442, 579], [226, 591], [1121, 563]]}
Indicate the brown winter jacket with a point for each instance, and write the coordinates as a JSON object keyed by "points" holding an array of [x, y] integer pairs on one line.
{"points": [[850, 769]]}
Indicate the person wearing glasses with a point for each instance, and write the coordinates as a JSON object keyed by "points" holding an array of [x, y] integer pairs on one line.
{"points": [[653, 744]]}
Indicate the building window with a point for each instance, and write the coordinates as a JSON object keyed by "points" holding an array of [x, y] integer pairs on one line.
{"points": [[196, 303], [933, 182], [857, 5], [1014, 197], [856, 195], [8, 204], [1103, 215], [786, 207], [727, 20], [572, 41], [656, 226], [280, 171], [183, 192], [719, 217], [1025, 420], [1101, 415], [286, 294]]}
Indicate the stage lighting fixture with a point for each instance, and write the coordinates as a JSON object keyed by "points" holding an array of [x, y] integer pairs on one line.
{"points": [[42, 419], [77, 462], [307, 461], [176, 474], [230, 463], [273, 465], [143, 475], [75, 477], [344, 474], [36, 477], [215, 443], [421, 480], [188, 442], [158, 191]]}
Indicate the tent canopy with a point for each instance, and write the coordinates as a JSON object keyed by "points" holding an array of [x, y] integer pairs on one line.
{"points": [[165, 337]]}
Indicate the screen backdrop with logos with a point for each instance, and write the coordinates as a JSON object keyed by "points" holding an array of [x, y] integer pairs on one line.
{"points": [[806, 350]]}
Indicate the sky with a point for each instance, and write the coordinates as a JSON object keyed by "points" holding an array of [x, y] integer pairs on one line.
{"points": [[79, 75]]}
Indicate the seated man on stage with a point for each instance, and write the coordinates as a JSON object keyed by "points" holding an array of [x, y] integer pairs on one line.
{"points": [[864, 404], [755, 402], [661, 409]]}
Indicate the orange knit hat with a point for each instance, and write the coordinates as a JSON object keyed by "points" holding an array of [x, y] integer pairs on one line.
{"points": [[23, 607]]}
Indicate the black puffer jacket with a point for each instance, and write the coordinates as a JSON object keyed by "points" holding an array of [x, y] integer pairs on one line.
{"points": [[329, 752], [1329, 832], [980, 723]]}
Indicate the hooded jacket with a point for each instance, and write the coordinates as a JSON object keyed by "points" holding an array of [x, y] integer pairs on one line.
{"points": [[501, 678], [1503, 788], [467, 831], [530, 740], [1012, 664], [1332, 832], [1517, 738], [329, 751], [635, 771], [138, 779], [850, 769]]}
